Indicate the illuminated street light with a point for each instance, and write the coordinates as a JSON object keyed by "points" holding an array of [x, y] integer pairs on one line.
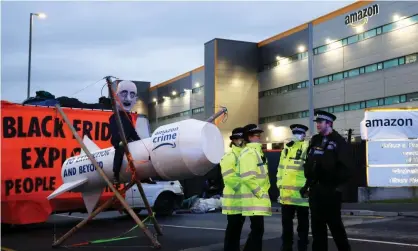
{"points": [[42, 16], [174, 93], [301, 48], [197, 84], [154, 100]]}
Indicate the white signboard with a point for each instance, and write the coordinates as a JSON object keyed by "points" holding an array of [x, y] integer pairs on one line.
{"points": [[390, 124], [392, 152], [392, 163]]}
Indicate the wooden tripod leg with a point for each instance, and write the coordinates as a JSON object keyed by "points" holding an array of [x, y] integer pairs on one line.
{"points": [[101, 172], [147, 205], [98, 210]]}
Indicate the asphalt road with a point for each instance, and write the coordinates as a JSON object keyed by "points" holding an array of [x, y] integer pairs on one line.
{"points": [[189, 232]]}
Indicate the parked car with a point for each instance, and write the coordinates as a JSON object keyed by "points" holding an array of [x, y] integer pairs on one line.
{"points": [[163, 196]]}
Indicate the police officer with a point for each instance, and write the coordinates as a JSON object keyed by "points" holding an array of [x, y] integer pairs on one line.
{"points": [[231, 200], [327, 168], [290, 179], [255, 183]]}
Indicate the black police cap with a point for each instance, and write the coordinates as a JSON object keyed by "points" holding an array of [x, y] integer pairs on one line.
{"points": [[323, 115], [252, 129], [298, 128], [237, 133]]}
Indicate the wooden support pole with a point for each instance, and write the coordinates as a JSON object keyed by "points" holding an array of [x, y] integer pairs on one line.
{"points": [[98, 210], [150, 212], [101, 172], [129, 156]]}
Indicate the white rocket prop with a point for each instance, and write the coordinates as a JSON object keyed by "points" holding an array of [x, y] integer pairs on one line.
{"points": [[178, 151]]}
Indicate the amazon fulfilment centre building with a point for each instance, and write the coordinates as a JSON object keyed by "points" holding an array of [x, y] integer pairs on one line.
{"points": [[364, 55]]}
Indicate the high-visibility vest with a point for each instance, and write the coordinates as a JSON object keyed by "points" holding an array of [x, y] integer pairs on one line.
{"points": [[255, 182], [231, 201], [290, 174]]}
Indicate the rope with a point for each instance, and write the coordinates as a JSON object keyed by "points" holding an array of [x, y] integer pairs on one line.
{"points": [[116, 238]]}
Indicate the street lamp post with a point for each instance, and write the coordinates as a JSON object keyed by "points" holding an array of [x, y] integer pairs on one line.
{"points": [[311, 82], [40, 15]]}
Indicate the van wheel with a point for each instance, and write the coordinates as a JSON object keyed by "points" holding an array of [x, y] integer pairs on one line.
{"points": [[165, 204]]}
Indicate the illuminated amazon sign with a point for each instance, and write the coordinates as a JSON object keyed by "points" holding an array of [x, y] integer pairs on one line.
{"points": [[165, 137], [361, 17]]}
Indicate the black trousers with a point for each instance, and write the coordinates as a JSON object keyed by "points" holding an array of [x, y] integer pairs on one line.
{"points": [[233, 233], [325, 205], [117, 160], [255, 238], [288, 213]]}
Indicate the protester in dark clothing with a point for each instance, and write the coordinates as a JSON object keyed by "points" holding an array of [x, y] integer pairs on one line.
{"points": [[130, 134]]}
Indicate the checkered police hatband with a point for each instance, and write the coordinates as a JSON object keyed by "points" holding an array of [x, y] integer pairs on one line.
{"points": [[321, 116], [255, 129], [297, 129], [237, 134]]}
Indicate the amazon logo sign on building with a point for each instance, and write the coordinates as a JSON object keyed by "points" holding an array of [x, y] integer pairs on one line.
{"points": [[361, 17], [166, 137]]}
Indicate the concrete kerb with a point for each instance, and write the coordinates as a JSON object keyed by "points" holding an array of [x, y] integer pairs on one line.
{"points": [[356, 212]]}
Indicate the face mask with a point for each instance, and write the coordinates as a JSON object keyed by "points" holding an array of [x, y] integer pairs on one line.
{"points": [[239, 143], [127, 93], [299, 137]]}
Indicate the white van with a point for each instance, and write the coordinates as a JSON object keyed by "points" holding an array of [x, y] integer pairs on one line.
{"points": [[164, 197]]}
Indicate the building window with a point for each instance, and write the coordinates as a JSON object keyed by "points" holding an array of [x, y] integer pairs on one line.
{"points": [[198, 89], [369, 34], [372, 103], [411, 58], [352, 39], [390, 63], [338, 108], [354, 106], [392, 100], [285, 61], [354, 72], [371, 68], [198, 110], [337, 76], [367, 69], [410, 97]]}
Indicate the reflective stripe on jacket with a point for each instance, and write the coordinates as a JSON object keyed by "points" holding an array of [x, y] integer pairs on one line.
{"points": [[255, 182], [231, 201], [290, 174]]}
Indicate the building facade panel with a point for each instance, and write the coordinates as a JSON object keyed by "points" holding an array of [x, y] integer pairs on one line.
{"points": [[284, 103], [282, 75], [329, 94], [401, 80], [328, 63], [402, 42], [198, 92], [364, 87]]}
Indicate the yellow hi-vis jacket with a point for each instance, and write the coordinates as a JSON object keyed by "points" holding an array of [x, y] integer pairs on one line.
{"points": [[231, 200], [255, 181], [290, 174]]}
